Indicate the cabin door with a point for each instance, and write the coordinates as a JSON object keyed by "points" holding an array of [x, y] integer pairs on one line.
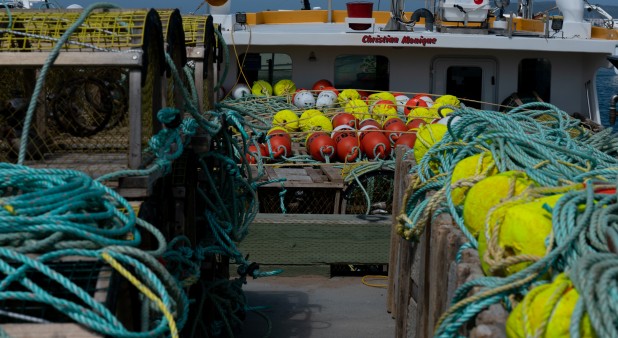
{"points": [[471, 79]]}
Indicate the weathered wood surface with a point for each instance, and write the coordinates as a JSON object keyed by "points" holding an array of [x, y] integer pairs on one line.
{"points": [[47, 331], [323, 176], [305, 239], [423, 274]]}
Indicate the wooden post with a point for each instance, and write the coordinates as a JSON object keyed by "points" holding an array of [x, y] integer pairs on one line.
{"points": [[445, 242], [398, 191], [135, 118]]}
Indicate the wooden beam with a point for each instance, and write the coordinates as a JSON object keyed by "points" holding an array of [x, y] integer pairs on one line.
{"points": [[72, 59], [47, 331], [304, 239]]}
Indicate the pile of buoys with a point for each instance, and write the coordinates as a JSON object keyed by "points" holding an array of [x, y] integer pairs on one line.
{"points": [[361, 125], [524, 189]]}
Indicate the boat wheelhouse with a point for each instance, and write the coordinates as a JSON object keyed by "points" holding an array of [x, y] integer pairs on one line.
{"points": [[464, 49]]}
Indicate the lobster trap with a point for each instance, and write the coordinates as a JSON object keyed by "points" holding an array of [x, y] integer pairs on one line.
{"points": [[97, 108], [95, 278]]}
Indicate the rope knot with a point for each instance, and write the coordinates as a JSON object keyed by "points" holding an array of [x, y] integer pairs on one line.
{"points": [[170, 117]]}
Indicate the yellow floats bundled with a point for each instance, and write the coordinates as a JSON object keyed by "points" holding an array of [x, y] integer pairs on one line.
{"points": [[514, 184]]}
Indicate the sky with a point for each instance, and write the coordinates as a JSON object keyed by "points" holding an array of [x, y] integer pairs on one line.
{"points": [[189, 6]]}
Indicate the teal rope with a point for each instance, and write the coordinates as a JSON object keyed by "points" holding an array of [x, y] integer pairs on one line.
{"points": [[574, 229], [594, 277], [92, 314], [53, 54], [517, 142], [55, 205]]}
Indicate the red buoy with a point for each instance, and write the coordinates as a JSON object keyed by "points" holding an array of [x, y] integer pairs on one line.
{"points": [[280, 143], [348, 148], [321, 84], [252, 155], [319, 145], [406, 139], [344, 119], [375, 144], [415, 123], [393, 128]]}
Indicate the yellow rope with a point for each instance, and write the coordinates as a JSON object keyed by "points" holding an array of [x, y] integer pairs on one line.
{"points": [[374, 285], [143, 289]]}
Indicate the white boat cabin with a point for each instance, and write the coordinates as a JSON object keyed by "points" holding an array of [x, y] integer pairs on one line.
{"points": [[481, 59]]}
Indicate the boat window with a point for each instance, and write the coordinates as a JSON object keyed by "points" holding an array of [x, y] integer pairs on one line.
{"points": [[467, 83], [534, 79], [270, 67], [368, 72]]}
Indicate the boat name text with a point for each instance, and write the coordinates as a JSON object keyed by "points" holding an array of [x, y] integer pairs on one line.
{"points": [[406, 40]]}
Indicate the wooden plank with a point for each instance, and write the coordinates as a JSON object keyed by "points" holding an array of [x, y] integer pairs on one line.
{"points": [[333, 174], [337, 202], [438, 273], [72, 59], [445, 243], [278, 239], [288, 184], [270, 173], [47, 331], [316, 176], [289, 172], [297, 178], [398, 190], [135, 118]]}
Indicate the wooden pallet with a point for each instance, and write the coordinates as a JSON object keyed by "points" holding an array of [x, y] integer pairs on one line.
{"points": [[323, 181], [308, 244]]}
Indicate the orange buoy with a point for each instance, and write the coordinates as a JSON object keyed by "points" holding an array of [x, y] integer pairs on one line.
{"points": [[406, 139], [252, 154], [393, 128], [280, 143], [348, 147], [320, 145], [375, 144], [347, 119]]}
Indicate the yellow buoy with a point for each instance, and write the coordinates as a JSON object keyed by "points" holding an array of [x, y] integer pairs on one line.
{"points": [[318, 123], [449, 100], [347, 95], [303, 122], [286, 119], [549, 304], [523, 230], [375, 97], [261, 88], [284, 87], [358, 108], [383, 111], [440, 110], [426, 137], [477, 165], [427, 115], [489, 192]]}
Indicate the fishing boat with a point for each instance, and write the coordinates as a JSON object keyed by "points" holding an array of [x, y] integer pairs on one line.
{"points": [[469, 49]]}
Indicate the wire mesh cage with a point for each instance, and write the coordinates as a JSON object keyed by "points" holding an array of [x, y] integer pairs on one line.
{"points": [[373, 194], [82, 116], [96, 279], [305, 200], [38, 30], [81, 111]]}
